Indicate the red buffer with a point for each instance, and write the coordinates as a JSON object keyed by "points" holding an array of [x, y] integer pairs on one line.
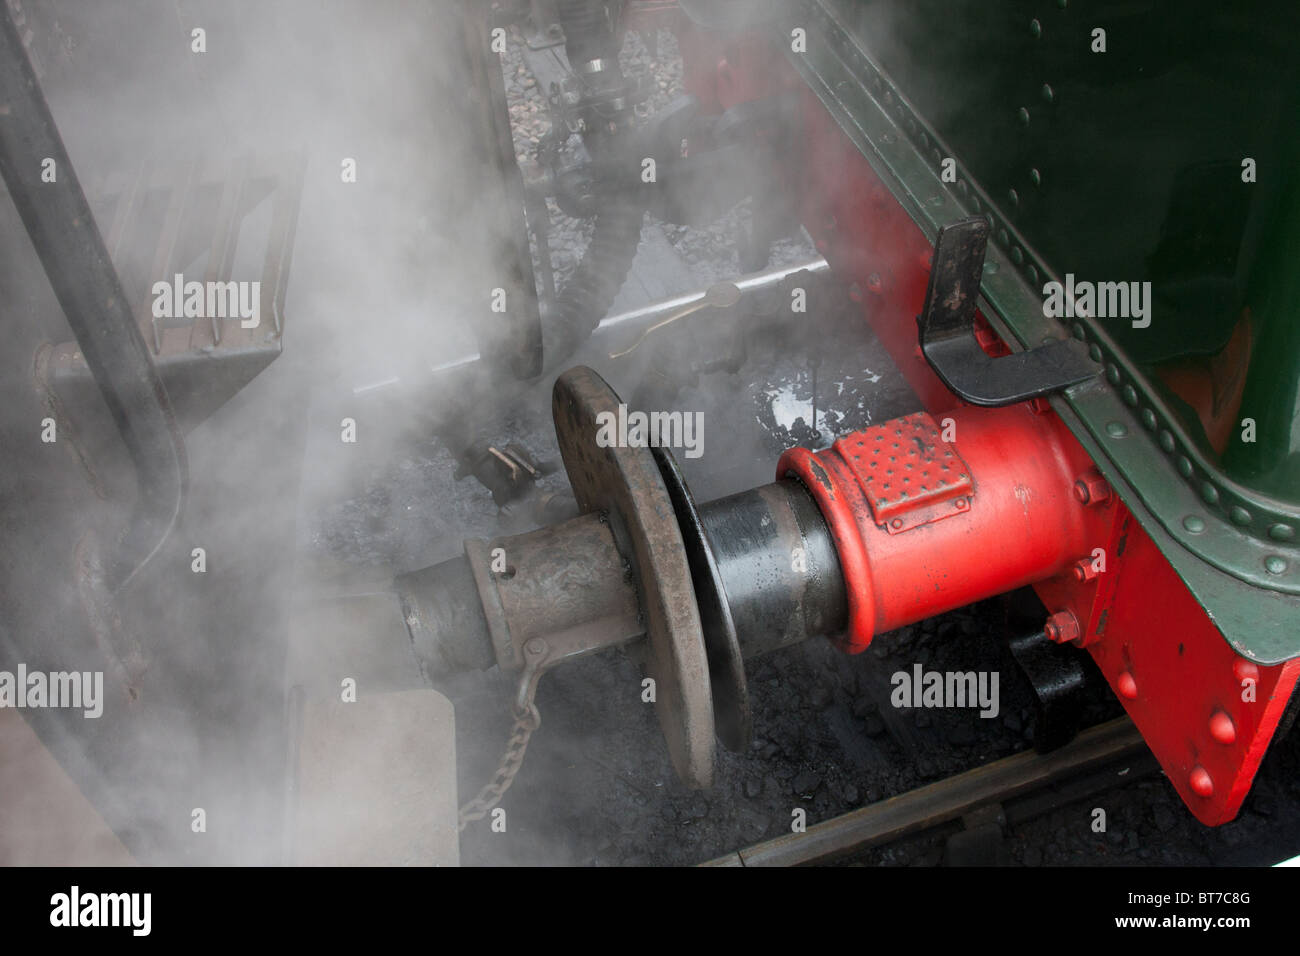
{"points": [[928, 516]]}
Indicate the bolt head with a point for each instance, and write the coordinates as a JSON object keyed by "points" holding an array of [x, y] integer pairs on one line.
{"points": [[1062, 627], [1092, 489], [1084, 570]]}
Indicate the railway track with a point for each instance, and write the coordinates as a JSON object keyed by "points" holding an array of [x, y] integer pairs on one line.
{"points": [[1014, 788]]}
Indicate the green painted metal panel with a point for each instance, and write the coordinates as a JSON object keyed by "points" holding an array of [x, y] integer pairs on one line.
{"points": [[1118, 166]]}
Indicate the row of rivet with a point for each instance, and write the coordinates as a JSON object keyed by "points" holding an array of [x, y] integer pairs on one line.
{"points": [[1221, 726], [1210, 493]]}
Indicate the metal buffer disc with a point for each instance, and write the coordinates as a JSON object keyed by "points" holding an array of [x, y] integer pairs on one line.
{"points": [[625, 484], [726, 667]]}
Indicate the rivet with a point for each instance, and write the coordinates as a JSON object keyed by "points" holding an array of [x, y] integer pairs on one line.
{"points": [[1281, 532], [1222, 728], [1127, 685], [1048, 93], [1116, 429], [1239, 515], [1201, 782], [1274, 564], [1209, 493], [1035, 29], [1023, 116], [1194, 524], [1129, 395]]}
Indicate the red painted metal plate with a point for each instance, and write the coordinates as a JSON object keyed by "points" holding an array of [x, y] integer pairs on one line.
{"points": [[911, 476], [1207, 714]]}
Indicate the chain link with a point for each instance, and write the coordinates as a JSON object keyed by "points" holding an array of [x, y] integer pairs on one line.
{"points": [[527, 720]]}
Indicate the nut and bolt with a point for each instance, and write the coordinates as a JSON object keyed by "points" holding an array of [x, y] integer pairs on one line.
{"points": [[1062, 627], [1092, 489]]}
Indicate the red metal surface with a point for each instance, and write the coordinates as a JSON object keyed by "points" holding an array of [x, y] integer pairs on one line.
{"points": [[1009, 516], [1103, 580], [1027, 507], [1207, 714], [723, 69]]}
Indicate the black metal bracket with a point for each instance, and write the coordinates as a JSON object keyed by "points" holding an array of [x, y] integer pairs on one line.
{"points": [[1058, 679], [947, 330]]}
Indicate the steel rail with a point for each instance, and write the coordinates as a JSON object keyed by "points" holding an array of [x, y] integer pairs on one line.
{"points": [[934, 804]]}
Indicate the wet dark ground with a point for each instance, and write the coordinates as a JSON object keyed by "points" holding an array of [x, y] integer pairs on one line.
{"points": [[597, 787]]}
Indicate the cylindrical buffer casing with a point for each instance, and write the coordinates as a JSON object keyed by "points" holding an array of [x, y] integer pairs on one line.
{"points": [[928, 516]]}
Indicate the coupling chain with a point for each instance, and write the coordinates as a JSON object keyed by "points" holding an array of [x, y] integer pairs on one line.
{"points": [[527, 720]]}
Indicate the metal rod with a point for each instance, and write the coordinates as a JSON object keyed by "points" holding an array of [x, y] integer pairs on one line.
{"points": [[937, 803], [72, 251], [631, 318], [749, 283]]}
